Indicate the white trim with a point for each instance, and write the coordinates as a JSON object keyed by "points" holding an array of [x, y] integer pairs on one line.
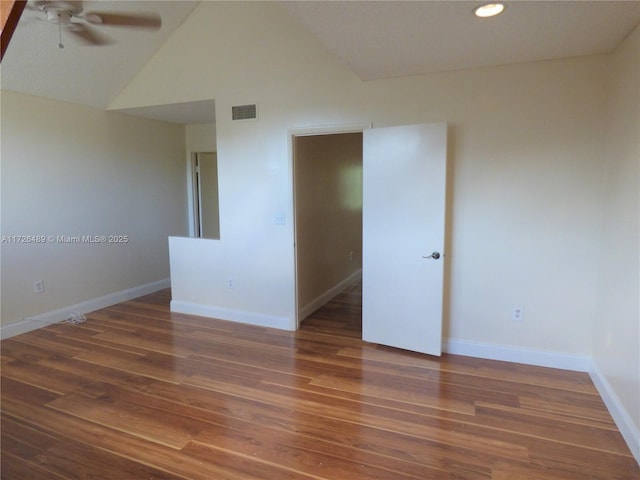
{"points": [[42, 320], [508, 353], [239, 316], [624, 422], [327, 130], [329, 295]]}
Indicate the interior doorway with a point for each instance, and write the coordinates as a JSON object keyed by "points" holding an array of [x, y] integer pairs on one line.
{"points": [[327, 172], [204, 195], [400, 248]]}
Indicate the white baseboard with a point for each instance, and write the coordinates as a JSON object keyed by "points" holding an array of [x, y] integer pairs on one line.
{"points": [[327, 296], [38, 321], [239, 316], [619, 413], [506, 353]]}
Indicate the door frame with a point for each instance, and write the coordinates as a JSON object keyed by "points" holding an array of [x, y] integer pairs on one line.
{"points": [[291, 135]]}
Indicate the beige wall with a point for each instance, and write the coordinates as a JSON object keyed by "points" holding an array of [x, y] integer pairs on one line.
{"points": [[328, 208], [616, 346], [526, 153], [525, 169], [71, 170]]}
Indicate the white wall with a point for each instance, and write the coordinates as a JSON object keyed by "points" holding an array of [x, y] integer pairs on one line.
{"points": [[74, 170], [616, 346], [253, 160], [200, 138], [526, 171]]}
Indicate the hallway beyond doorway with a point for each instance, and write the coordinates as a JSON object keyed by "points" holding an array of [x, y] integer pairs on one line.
{"points": [[342, 316]]}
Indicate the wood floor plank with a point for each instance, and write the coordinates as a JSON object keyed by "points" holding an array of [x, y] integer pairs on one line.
{"points": [[428, 428], [584, 434], [161, 368], [158, 427], [69, 458], [141, 392], [74, 340], [18, 467], [23, 441], [484, 369], [120, 443], [591, 412], [316, 423], [290, 458]]}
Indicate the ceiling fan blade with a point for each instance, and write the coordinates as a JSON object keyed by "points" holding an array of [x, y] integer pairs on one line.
{"points": [[88, 36], [139, 20]]}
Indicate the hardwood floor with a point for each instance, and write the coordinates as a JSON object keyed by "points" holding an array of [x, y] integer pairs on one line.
{"points": [[138, 392]]}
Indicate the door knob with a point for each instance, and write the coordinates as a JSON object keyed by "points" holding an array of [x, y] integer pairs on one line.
{"points": [[434, 255]]}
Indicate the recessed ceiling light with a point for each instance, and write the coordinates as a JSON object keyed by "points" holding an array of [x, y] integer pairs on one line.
{"points": [[489, 10]]}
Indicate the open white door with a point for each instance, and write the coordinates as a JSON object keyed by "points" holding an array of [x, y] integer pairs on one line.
{"points": [[404, 179]]}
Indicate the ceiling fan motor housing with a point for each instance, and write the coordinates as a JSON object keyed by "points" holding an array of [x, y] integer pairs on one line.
{"points": [[59, 13]]}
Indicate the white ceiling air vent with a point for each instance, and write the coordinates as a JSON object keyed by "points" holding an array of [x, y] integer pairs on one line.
{"points": [[244, 112]]}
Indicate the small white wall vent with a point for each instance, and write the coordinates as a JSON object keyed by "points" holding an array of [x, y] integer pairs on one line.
{"points": [[244, 112]]}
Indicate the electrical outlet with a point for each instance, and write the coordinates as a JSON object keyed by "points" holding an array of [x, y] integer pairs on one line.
{"points": [[517, 315], [230, 283], [351, 256], [38, 286]]}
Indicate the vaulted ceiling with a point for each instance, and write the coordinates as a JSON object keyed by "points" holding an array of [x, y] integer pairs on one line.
{"points": [[375, 40], [89, 75], [390, 39]]}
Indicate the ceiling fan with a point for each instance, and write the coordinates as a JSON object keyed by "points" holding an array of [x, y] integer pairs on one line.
{"points": [[70, 17]]}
